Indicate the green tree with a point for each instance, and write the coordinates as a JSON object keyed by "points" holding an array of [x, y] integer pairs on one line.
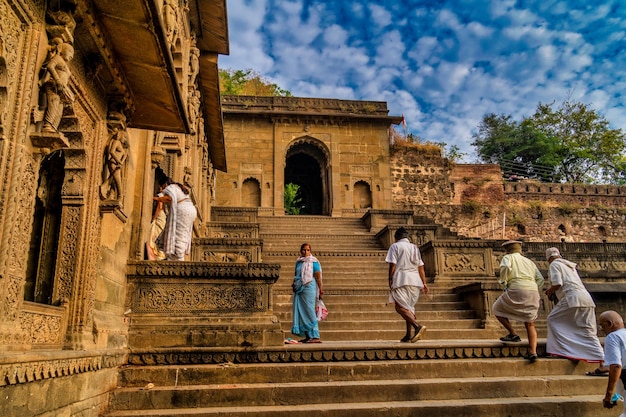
{"points": [[248, 83], [291, 199], [571, 143]]}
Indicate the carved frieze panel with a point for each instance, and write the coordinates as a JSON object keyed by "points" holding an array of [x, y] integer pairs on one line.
{"points": [[464, 263], [43, 329], [207, 297], [214, 256]]}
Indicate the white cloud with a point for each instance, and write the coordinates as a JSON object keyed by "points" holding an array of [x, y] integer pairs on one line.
{"points": [[444, 67]]}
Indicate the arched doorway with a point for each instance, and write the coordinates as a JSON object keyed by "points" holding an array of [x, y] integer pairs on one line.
{"points": [[306, 165], [251, 193]]}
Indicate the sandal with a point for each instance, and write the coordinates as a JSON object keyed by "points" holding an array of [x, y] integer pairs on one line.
{"points": [[598, 372], [313, 341], [405, 339]]}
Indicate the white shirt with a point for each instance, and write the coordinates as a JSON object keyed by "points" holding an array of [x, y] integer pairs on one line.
{"points": [[407, 258], [563, 272], [615, 348]]}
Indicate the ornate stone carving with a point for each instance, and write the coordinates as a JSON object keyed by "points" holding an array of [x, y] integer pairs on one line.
{"points": [[463, 262], [115, 154], [206, 298], [212, 256], [43, 329], [55, 73]]}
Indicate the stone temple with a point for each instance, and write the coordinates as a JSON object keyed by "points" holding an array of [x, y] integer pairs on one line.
{"points": [[99, 98]]}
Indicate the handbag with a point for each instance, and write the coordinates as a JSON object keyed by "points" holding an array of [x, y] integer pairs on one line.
{"points": [[320, 310]]}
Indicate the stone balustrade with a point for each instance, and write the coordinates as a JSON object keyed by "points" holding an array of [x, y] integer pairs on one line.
{"points": [[200, 304]]}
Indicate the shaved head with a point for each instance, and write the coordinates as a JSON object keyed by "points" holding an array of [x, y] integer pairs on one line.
{"points": [[612, 316]]}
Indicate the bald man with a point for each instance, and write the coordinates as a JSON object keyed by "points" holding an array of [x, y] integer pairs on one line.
{"points": [[612, 325]]}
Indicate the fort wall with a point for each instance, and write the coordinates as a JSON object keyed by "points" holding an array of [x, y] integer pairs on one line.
{"points": [[475, 201]]}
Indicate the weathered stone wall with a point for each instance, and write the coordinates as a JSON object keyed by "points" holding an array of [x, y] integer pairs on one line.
{"points": [[419, 176], [474, 201]]}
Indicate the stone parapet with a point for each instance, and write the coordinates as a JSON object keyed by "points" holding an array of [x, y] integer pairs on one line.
{"points": [[234, 214], [377, 219], [182, 304], [239, 250], [464, 260], [236, 230]]}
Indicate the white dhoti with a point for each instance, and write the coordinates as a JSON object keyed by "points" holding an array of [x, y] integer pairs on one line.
{"points": [[572, 333], [519, 305], [405, 296]]}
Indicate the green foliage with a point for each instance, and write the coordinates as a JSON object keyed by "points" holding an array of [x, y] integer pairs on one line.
{"points": [[566, 208], [291, 198], [470, 207], [571, 143], [248, 83]]}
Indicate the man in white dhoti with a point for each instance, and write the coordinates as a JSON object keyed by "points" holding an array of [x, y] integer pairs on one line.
{"points": [[407, 279], [572, 331], [612, 325], [521, 281]]}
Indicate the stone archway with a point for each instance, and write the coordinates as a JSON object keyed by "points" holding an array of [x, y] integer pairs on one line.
{"points": [[307, 165]]}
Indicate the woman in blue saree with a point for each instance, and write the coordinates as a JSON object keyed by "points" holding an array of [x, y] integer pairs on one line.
{"points": [[307, 288]]}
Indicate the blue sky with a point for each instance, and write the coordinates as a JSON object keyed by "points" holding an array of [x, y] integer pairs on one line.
{"points": [[444, 64]]}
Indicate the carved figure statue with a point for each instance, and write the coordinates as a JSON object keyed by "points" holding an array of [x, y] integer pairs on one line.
{"points": [[194, 107], [116, 153], [53, 85], [170, 17], [194, 65], [63, 26]]}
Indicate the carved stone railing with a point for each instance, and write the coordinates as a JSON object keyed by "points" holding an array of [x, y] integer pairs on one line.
{"points": [[377, 219], [481, 295], [227, 250], [234, 214], [235, 230], [462, 260], [418, 234], [198, 304]]}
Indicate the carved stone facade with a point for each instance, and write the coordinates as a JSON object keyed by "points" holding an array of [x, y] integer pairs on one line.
{"points": [[336, 151], [86, 117]]}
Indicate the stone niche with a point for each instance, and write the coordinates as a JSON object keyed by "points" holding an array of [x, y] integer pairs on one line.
{"points": [[199, 304]]}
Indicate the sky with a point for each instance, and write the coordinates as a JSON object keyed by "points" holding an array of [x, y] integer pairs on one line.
{"points": [[443, 64]]}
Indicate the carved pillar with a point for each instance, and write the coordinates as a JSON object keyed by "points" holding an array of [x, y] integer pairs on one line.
{"points": [[73, 282], [12, 337]]}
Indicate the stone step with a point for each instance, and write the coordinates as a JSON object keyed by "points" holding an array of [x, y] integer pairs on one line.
{"points": [[358, 370], [371, 315], [365, 296], [395, 323], [383, 387], [395, 334], [579, 405], [382, 306], [341, 392]]}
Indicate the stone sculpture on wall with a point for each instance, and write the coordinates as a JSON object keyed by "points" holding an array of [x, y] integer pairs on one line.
{"points": [[115, 155], [54, 92]]}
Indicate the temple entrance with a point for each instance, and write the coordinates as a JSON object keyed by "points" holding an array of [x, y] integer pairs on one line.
{"points": [[307, 166]]}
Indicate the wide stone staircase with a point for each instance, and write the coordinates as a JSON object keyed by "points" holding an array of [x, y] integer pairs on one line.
{"points": [[361, 368], [355, 283]]}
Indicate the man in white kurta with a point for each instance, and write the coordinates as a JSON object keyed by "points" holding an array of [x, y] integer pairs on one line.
{"points": [[572, 331], [406, 279]]}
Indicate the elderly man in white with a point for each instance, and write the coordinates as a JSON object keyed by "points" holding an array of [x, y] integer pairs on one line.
{"points": [[572, 331]]}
